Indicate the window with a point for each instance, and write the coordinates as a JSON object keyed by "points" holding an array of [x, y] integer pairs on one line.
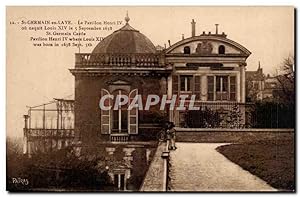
{"points": [[186, 83], [186, 50], [120, 116], [221, 49], [221, 88], [197, 87], [119, 181]]}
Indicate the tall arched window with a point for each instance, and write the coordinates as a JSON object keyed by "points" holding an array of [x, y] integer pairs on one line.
{"points": [[119, 118], [186, 50], [221, 49], [120, 115]]}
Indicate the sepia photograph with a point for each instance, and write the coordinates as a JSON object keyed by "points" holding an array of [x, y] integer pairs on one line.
{"points": [[150, 99]]}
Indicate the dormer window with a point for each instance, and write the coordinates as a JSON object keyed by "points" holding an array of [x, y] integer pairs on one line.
{"points": [[187, 50], [221, 49]]}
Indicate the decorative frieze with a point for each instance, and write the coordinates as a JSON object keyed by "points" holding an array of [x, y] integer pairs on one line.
{"points": [[110, 150]]}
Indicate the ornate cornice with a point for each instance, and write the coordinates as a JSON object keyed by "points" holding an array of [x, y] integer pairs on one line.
{"points": [[151, 71], [244, 51]]}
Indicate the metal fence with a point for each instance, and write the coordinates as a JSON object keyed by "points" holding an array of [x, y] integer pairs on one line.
{"points": [[49, 126], [273, 115]]}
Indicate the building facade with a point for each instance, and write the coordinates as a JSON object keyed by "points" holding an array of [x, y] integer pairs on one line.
{"points": [[212, 67], [209, 66], [124, 63]]}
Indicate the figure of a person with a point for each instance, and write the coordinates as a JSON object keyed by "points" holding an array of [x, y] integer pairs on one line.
{"points": [[172, 136]]}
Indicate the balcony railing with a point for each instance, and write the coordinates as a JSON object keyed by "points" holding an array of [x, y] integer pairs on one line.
{"points": [[118, 60], [119, 137], [50, 133]]}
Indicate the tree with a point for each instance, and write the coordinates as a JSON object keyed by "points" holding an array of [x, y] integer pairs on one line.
{"points": [[251, 91], [286, 81]]}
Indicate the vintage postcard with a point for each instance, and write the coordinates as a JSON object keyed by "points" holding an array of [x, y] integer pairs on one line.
{"points": [[150, 99]]}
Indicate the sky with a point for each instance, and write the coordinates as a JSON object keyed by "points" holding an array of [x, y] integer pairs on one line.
{"points": [[36, 75]]}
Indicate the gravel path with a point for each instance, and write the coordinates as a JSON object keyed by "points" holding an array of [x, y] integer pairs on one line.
{"points": [[199, 167]]}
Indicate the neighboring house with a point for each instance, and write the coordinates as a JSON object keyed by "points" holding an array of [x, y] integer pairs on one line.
{"points": [[261, 87], [271, 88], [255, 83]]}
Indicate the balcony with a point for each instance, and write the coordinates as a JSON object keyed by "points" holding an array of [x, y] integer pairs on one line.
{"points": [[119, 137], [83, 60]]}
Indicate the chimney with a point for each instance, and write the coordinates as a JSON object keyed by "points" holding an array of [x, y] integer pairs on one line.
{"points": [[182, 36], [169, 41], [193, 28], [217, 28]]}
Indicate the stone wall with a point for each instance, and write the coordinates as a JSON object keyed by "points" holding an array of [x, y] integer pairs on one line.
{"points": [[231, 136], [155, 178], [131, 160]]}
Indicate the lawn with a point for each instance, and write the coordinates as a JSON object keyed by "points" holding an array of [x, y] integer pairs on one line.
{"points": [[270, 159]]}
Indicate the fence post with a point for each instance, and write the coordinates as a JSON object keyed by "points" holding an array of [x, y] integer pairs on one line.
{"points": [[25, 137], [165, 155]]}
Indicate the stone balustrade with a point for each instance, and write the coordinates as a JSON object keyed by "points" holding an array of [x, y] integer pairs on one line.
{"points": [[119, 137], [118, 60]]}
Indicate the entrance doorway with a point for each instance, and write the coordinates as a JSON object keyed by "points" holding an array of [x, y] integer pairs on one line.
{"points": [[119, 181]]}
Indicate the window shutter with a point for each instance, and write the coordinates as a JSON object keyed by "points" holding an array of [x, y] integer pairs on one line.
{"points": [[210, 88], [105, 114], [197, 87], [175, 84], [133, 114], [232, 88]]}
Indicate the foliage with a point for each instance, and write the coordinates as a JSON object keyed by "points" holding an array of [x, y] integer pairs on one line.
{"points": [[205, 118], [59, 170], [286, 79], [234, 117], [153, 116], [251, 91]]}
